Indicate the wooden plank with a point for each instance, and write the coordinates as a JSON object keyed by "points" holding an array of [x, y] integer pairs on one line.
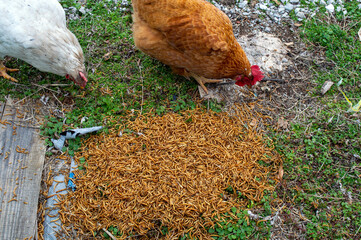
{"points": [[22, 155]]}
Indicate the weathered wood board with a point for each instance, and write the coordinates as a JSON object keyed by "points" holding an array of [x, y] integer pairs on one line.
{"points": [[22, 155]]}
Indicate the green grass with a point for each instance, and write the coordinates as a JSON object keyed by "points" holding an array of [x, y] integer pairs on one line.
{"points": [[322, 153]]}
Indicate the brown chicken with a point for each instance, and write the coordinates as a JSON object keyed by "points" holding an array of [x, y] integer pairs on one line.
{"points": [[194, 38]]}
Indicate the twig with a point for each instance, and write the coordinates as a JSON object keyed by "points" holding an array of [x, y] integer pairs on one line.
{"points": [[52, 85], [265, 79], [27, 96], [49, 85], [138, 235], [274, 80], [142, 79], [62, 106], [225, 83], [335, 198], [110, 235], [357, 231]]}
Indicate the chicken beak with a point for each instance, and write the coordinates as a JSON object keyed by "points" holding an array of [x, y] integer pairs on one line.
{"points": [[82, 80]]}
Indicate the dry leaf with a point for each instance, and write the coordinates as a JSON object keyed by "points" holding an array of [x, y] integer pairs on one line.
{"points": [[289, 44], [107, 56], [282, 123], [359, 34], [277, 2], [298, 24]]}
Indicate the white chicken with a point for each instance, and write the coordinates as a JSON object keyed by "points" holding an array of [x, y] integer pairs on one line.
{"points": [[35, 31]]}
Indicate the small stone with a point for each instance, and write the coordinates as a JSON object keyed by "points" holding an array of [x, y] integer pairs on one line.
{"points": [[289, 6], [263, 7], [294, 1], [82, 10], [242, 4], [301, 15], [72, 9], [331, 1], [330, 8], [322, 2], [267, 29]]}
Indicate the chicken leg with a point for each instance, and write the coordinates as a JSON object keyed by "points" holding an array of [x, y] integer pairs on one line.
{"points": [[202, 80], [3, 73]]}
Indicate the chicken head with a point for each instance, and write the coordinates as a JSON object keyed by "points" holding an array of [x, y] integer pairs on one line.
{"points": [[81, 79], [255, 76], [35, 31]]}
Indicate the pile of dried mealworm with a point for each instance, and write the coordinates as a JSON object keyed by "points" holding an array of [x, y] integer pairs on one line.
{"points": [[172, 169]]}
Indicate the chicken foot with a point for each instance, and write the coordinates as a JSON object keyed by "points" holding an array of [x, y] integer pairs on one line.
{"points": [[202, 80], [3, 73]]}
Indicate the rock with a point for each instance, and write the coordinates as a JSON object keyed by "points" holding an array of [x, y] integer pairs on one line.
{"points": [[82, 10], [301, 15], [330, 8], [72, 9], [264, 49], [263, 7], [289, 6], [227, 2], [242, 4]]}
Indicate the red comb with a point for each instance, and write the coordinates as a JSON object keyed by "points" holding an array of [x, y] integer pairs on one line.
{"points": [[257, 74]]}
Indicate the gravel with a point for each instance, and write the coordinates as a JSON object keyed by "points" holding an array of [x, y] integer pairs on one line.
{"points": [[277, 10], [281, 11]]}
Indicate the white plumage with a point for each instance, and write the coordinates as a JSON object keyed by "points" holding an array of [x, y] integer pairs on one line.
{"points": [[35, 31]]}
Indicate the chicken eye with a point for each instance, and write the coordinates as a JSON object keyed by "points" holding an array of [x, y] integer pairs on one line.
{"points": [[67, 76]]}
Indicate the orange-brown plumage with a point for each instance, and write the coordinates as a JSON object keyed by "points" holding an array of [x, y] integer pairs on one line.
{"points": [[193, 37]]}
